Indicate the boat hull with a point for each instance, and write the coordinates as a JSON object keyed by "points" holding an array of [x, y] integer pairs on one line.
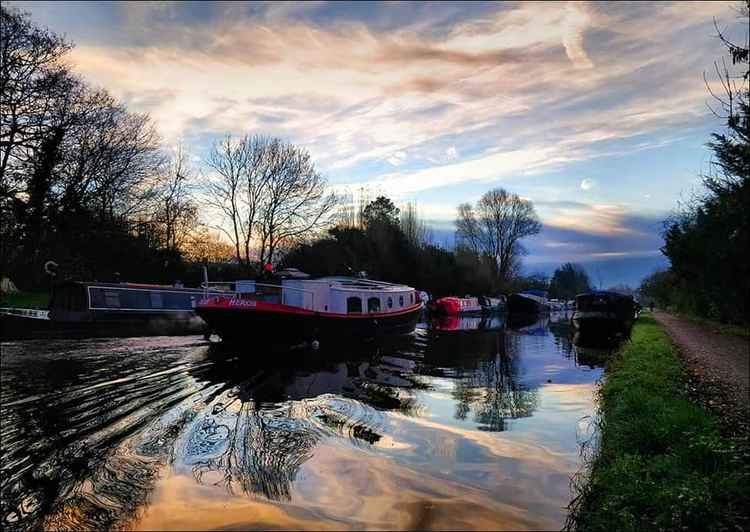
{"points": [[452, 306], [102, 324], [518, 304], [601, 323], [271, 324]]}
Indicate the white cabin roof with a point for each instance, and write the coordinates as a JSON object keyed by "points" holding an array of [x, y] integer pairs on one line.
{"points": [[355, 284]]}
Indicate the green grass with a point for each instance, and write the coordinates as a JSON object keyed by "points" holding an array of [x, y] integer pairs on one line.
{"points": [[25, 300], [662, 463]]}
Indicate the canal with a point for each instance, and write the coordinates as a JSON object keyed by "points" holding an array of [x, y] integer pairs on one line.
{"points": [[459, 429]]}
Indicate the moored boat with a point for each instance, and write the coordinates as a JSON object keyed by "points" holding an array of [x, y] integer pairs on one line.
{"points": [[297, 311], [455, 306], [92, 309], [492, 304], [527, 302], [604, 313]]}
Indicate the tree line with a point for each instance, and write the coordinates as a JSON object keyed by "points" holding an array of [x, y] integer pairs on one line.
{"points": [[707, 240]]}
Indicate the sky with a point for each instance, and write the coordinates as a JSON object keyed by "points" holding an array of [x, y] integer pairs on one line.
{"points": [[596, 112]]}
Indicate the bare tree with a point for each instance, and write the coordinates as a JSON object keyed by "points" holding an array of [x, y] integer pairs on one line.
{"points": [[351, 209], [495, 227], [32, 78], [268, 194], [229, 159], [203, 246], [176, 212], [295, 201], [111, 159], [413, 226]]}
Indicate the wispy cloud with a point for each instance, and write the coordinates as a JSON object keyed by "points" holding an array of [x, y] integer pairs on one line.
{"points": [[372, 93]]}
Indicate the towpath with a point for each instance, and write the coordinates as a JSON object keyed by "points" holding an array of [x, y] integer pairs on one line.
{"points": [[719, 365]]}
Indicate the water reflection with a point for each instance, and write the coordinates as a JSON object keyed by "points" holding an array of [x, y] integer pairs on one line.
{"points": [[92, 429], [486, 322]]}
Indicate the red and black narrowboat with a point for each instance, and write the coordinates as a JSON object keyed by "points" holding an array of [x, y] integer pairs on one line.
{"points": [[297, 311]]}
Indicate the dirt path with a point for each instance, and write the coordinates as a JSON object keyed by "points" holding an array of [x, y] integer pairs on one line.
{"points": [[719, 364]]}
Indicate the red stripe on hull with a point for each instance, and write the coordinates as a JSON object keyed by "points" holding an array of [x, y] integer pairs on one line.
{"points": [[268, 323], [252, 305]]}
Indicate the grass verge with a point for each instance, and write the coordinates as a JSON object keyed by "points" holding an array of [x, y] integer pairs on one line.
{"points": [[662, 463], [38, 300]]}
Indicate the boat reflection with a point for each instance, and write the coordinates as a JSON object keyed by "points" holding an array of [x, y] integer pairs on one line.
{"points": [[487, 322], [595, 351]]}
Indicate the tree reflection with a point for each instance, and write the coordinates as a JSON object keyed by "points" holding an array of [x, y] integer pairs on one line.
{"points": [[491, 390], [270, 420], [263, 451]]}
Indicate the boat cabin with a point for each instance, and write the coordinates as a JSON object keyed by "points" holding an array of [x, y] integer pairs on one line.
{"points": [[623, 306], [71, 298], [346, 295]]}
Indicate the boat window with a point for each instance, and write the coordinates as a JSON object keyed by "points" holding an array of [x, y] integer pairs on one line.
{"points": [[111, 299], [353, 304], [156, 300], [389, 302], [373, 304], [96, 297], [411, 298], [135, 299], [400, 301], [176, 301]]}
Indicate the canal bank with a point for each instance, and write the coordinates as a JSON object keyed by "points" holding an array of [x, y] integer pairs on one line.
{"points": [[664, 461]]}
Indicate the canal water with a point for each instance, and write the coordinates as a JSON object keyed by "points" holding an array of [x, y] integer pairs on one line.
{"points": [[468, 424]]}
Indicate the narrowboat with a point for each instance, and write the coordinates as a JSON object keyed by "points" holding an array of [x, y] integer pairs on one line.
{"points": [[300, 311], [527, 302], [604, 313], [91, 309], [455, 306], [466, 306], [492, 304]]}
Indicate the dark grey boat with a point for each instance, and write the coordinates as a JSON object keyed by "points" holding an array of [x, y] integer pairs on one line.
{"points": [[91, 309], [603, 313]]}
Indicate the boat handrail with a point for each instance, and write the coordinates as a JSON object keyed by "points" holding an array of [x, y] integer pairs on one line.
{"points": [[281, 288]]}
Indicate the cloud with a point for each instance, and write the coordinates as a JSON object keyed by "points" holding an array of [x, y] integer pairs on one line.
{"points": [[576, 22], [397, 158], [504, 95], [488, 167], [587, 184]]}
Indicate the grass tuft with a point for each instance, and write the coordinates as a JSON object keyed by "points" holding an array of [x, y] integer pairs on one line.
{"points": [[662, 463], [38, 300]]}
